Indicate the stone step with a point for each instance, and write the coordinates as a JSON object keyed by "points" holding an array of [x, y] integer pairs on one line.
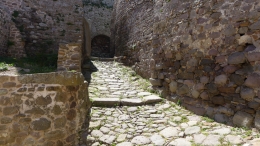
{"points": [[104, 59], [112, 102]]}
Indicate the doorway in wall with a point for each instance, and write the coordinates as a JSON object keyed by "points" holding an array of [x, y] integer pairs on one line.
{"points": [[100, 46]]}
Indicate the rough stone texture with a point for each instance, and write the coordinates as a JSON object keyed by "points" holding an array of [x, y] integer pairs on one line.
{"points": [[39, 26], [247, 94], [243, 119], [162, 123], [70, 57], [55, 114], [189, 43], [98, 14]]}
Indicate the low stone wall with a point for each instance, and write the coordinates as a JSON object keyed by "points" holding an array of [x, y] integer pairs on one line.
{"points": [[70, 57], [207, 52], [42, 109]]}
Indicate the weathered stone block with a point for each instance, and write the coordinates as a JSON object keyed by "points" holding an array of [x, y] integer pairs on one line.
{"points": [[56, 110], [43, 100], [212, 88], [186, 76], [41, 124], [206, 61], [6, 120], [183, 90], [3, 127], [195, 93], [204, 79], [71, 114], [3, 91], [61, 97], [228, 90], [9, 84], [236, 58], [243, 119], [55, 135], [257, 120], [4, 78], [60, 122], [199, 87], [156, 82], [245, 39], [221, 59], [247, 94], [229, 30], [10, 110], [218, 100], [221, 79], [204, 96], [253, 80], [25, 120], [221, 118], [173, 86], [192, 62], [254, 105], [253, 56], [53, 88], [255, 26], [197, 110], [230, 69], [75, 56], [36, 111], [237, 79], [159, 66], [22, 90]]}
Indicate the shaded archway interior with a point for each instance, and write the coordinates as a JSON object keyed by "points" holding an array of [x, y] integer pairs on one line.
{"points": [[100, 46]]}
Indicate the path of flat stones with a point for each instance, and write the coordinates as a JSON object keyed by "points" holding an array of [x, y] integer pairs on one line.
{"points": [[160, 124]]}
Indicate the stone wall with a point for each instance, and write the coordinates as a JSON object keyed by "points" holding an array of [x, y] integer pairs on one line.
{"points": [[205, 51], [42, 109], [44, 24], [4, 29], [70, 57], [98, 14]]}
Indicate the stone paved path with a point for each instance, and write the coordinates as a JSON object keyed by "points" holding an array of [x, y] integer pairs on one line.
{"points": [[160, 124]]}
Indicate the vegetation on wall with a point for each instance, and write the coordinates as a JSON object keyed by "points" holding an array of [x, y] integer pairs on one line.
{"points": [[40, 63], [10, 43]]}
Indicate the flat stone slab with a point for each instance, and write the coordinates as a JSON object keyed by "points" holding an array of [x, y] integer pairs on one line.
{"points": [[140, 140], [105, 101], [180, 142], [131, 102], [110, 102], [152, 99], [141, 94]]}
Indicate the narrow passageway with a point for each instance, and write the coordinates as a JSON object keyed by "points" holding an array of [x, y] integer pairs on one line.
{"points": [[135, 116]]}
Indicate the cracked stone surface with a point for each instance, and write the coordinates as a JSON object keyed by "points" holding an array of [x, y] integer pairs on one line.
{"points": [[161, 124]]}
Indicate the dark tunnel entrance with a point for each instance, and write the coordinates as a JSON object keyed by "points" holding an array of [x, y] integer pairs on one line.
{"points": [[100, 46]]}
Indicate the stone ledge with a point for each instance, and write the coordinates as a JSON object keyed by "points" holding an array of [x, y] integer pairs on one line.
{"points": [[64, 78], [112, 102], [105, 59]]}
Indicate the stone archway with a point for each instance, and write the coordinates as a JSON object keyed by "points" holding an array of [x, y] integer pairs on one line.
{"points": [[100, 46]]}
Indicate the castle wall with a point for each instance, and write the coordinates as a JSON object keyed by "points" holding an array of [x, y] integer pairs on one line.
{"points": [[44, 24], [98, 14], [206, 52], [4, 29]]}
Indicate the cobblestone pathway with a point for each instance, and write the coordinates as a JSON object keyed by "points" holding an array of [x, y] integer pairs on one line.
{"points": [[160, 124]]}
